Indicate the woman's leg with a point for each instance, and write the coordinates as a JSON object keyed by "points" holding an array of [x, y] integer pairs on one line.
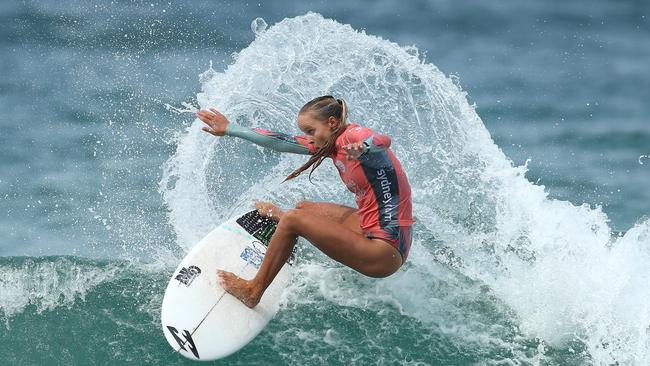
{"points": [[340, 213], [372, 257]]}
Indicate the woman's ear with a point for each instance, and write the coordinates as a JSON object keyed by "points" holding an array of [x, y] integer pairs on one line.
{"points": [[332, 122]]}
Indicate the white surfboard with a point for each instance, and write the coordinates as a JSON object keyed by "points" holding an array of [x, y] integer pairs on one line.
{"points": [[199, 318]]}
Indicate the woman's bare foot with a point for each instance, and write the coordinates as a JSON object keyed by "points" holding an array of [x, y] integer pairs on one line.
{"points": [[268, 209], [239, 288]]}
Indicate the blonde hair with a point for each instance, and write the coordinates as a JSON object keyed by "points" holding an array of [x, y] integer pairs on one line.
{"points": [[323, 108]]}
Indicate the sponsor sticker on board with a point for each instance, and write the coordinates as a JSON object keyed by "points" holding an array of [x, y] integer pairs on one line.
{"points": [[187, 275], [253, 256]]}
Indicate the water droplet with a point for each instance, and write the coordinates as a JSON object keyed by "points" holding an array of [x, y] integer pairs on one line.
{"points": [[258, 26], [207, 75]]}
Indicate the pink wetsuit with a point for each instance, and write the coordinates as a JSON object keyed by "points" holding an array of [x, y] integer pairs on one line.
{"points": [[382, 191]]}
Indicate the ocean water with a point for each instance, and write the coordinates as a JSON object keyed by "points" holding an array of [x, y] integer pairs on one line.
{"points": [[522, 127]]}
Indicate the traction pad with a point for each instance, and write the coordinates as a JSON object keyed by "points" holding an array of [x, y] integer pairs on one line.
{"points": [[262, 229]]}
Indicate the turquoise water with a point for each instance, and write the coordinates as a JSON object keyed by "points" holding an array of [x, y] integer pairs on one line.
{"points": [[523, 129]]}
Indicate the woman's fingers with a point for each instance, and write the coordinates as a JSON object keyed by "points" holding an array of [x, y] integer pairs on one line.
{"points": [[215, 120], [357, 146], [207, 118], [203, 116], [354, 150], [206, 129]]}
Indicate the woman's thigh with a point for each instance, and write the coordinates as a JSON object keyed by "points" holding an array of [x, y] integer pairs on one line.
{"points": [[372, 257], [345, 215]]}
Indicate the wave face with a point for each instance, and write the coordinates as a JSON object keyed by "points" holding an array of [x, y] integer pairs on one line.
{"points": [[498, 274]]}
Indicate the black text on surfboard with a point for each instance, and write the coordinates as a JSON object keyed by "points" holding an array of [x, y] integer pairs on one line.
{"points": [[187, 275], [188, 340]]}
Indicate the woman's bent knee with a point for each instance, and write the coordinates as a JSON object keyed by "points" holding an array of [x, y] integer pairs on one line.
{"points": [[290, 220]]}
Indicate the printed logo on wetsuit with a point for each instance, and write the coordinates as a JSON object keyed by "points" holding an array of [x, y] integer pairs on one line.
{"points": [[386, 195], [187, 275], [354, 188]]}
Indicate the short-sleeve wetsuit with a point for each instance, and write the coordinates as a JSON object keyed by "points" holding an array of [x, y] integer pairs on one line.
{"points": [[376, 178]]}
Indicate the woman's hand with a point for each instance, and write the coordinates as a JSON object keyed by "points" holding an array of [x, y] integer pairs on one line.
{"points": [[355, 150], [216, 121]]}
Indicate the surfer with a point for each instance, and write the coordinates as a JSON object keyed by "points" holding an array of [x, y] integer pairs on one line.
{"points": [[373, 239]]}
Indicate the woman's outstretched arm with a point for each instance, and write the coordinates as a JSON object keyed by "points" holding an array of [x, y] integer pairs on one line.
{"points": [[218, 125], [273, 140]]}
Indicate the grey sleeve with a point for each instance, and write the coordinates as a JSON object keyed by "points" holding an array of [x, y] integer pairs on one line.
{"points": [[273, 140]]}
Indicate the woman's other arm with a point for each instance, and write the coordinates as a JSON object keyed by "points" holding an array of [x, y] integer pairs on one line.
{"points": [[218, 125]]}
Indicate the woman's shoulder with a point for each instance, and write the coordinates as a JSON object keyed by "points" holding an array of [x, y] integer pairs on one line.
{"points": [[354, 132]]}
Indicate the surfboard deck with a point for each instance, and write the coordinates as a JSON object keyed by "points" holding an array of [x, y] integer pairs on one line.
{"points": [[199, 318]]}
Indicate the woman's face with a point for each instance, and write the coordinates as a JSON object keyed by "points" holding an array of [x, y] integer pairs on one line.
{"points": [[317, 130]]}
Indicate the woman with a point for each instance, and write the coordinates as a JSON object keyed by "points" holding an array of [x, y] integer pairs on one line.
{"points": [[373, 239]]}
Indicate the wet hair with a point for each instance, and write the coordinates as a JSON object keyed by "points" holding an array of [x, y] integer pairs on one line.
{"points": [[323, 108]]}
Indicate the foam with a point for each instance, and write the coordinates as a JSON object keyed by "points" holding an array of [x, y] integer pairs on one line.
{"points": [[48, 284]]}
